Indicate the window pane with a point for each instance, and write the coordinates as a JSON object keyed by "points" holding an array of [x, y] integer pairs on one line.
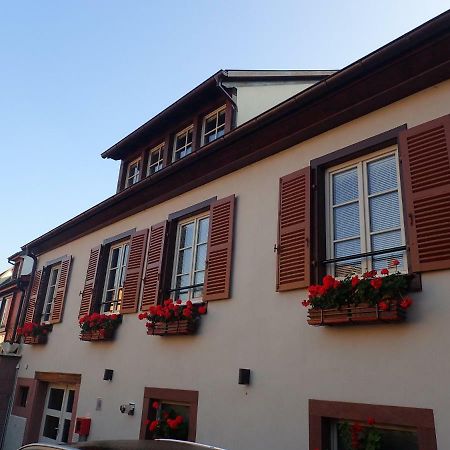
{"points": [[51, 427], [115, 257], [210, 124], [53, 277], [182, 280], [203, 229], [200, 261], [181, 141], [111, 279], [184, 261], [70, 398], [384, 212], [221, 120], [346, 221], [55, 399], [347, 248], [65, 434], [387, 240], [345, 186], [187, 235], [199, 277], [382, 175]]}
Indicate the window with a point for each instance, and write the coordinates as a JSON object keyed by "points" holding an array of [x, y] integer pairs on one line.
{"points": [[155, 159], [115, 277], [213, 126], [133, 173], [163, 404], [398, 427], [5, 304], [365, 214], [50, 293], [190, 258], [183, 143]]}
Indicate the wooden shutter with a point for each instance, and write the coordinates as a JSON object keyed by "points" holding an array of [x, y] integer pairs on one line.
{"points": [[425, 163], [135, 268], [152, 279], [58, 302], [35, 288], [220, 246], [293, 248], [89, 282]]}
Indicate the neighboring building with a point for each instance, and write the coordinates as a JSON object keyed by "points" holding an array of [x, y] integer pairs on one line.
{"points": [[349, 173]]}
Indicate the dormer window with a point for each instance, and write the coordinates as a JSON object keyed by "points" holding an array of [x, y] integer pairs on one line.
{"points": [[183, 143], [213, 126], [155, 159], [133, 173]]}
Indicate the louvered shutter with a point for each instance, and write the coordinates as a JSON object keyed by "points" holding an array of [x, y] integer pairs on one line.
{"points": [[29, 316], [58, 302], [89, 282], [220, 246], [425, 163], [135, 268], [152, 279], [293, 254]]}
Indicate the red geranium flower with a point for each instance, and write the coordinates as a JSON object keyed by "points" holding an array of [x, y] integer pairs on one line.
{"points": [[406, 302], [371, 421], [154, 425], [155, 405], [355, 281], [376, 283], [328, 282], [383, 306], [306, 303], [202, 310], [384, 272], [395, 262]]}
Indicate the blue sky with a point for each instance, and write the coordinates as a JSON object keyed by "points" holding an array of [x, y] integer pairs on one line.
{"points": [[78, 75]]}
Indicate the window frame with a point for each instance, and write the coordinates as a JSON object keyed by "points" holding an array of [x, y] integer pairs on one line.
{"points": [[128, 177], [318, 176], [187, 397], [196, 218], [5, 308], [361, 164], [323, 413], [121, 274], [215, 113], [160, 149], [175, 138], [46, 299]]}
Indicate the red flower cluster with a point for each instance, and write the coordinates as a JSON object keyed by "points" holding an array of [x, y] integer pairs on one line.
{"points": [[353, 289], [166, 426], [96, 321], [34, 329], [172, 311]]}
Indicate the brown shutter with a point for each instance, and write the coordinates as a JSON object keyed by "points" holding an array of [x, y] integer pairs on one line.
{"points": [[133, 277], [153, 269], [29, 316], [58, 302], [294, 220], [425, 163], [88, 290], [220, 246]]}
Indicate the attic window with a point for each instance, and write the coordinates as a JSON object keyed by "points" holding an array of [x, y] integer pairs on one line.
{"points": [[155, 159], [213, 126], [133, 172], [183, 143]]}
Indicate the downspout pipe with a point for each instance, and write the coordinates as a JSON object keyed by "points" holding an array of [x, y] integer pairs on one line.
{"points": [[218, 79]]}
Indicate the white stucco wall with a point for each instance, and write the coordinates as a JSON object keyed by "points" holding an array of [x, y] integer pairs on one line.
{"points": [[291, 362], [256, 97]]}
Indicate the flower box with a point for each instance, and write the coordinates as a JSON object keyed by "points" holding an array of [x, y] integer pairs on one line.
{"points": [[36, 340], [173, 328], [173, 318], [356, 314], [98, 335]]}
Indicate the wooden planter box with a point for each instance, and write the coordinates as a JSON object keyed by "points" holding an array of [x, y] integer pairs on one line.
{"points": [[36, 340], [362, 313], [98, 335], [169, 329]]}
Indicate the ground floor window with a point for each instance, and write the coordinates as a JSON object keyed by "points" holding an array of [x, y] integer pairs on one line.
{"points": [[169, 413], [346, 426]]}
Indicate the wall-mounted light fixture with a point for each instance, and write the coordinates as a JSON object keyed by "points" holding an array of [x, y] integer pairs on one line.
{"points": [[244, 376], [108, 375]]}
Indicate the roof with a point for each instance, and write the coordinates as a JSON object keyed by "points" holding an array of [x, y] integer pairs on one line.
{"points": [[205, 91], [413, 62], [6, 277]]}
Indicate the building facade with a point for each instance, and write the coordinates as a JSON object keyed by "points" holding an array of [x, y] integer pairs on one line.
{"points": [[238, 210]]}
